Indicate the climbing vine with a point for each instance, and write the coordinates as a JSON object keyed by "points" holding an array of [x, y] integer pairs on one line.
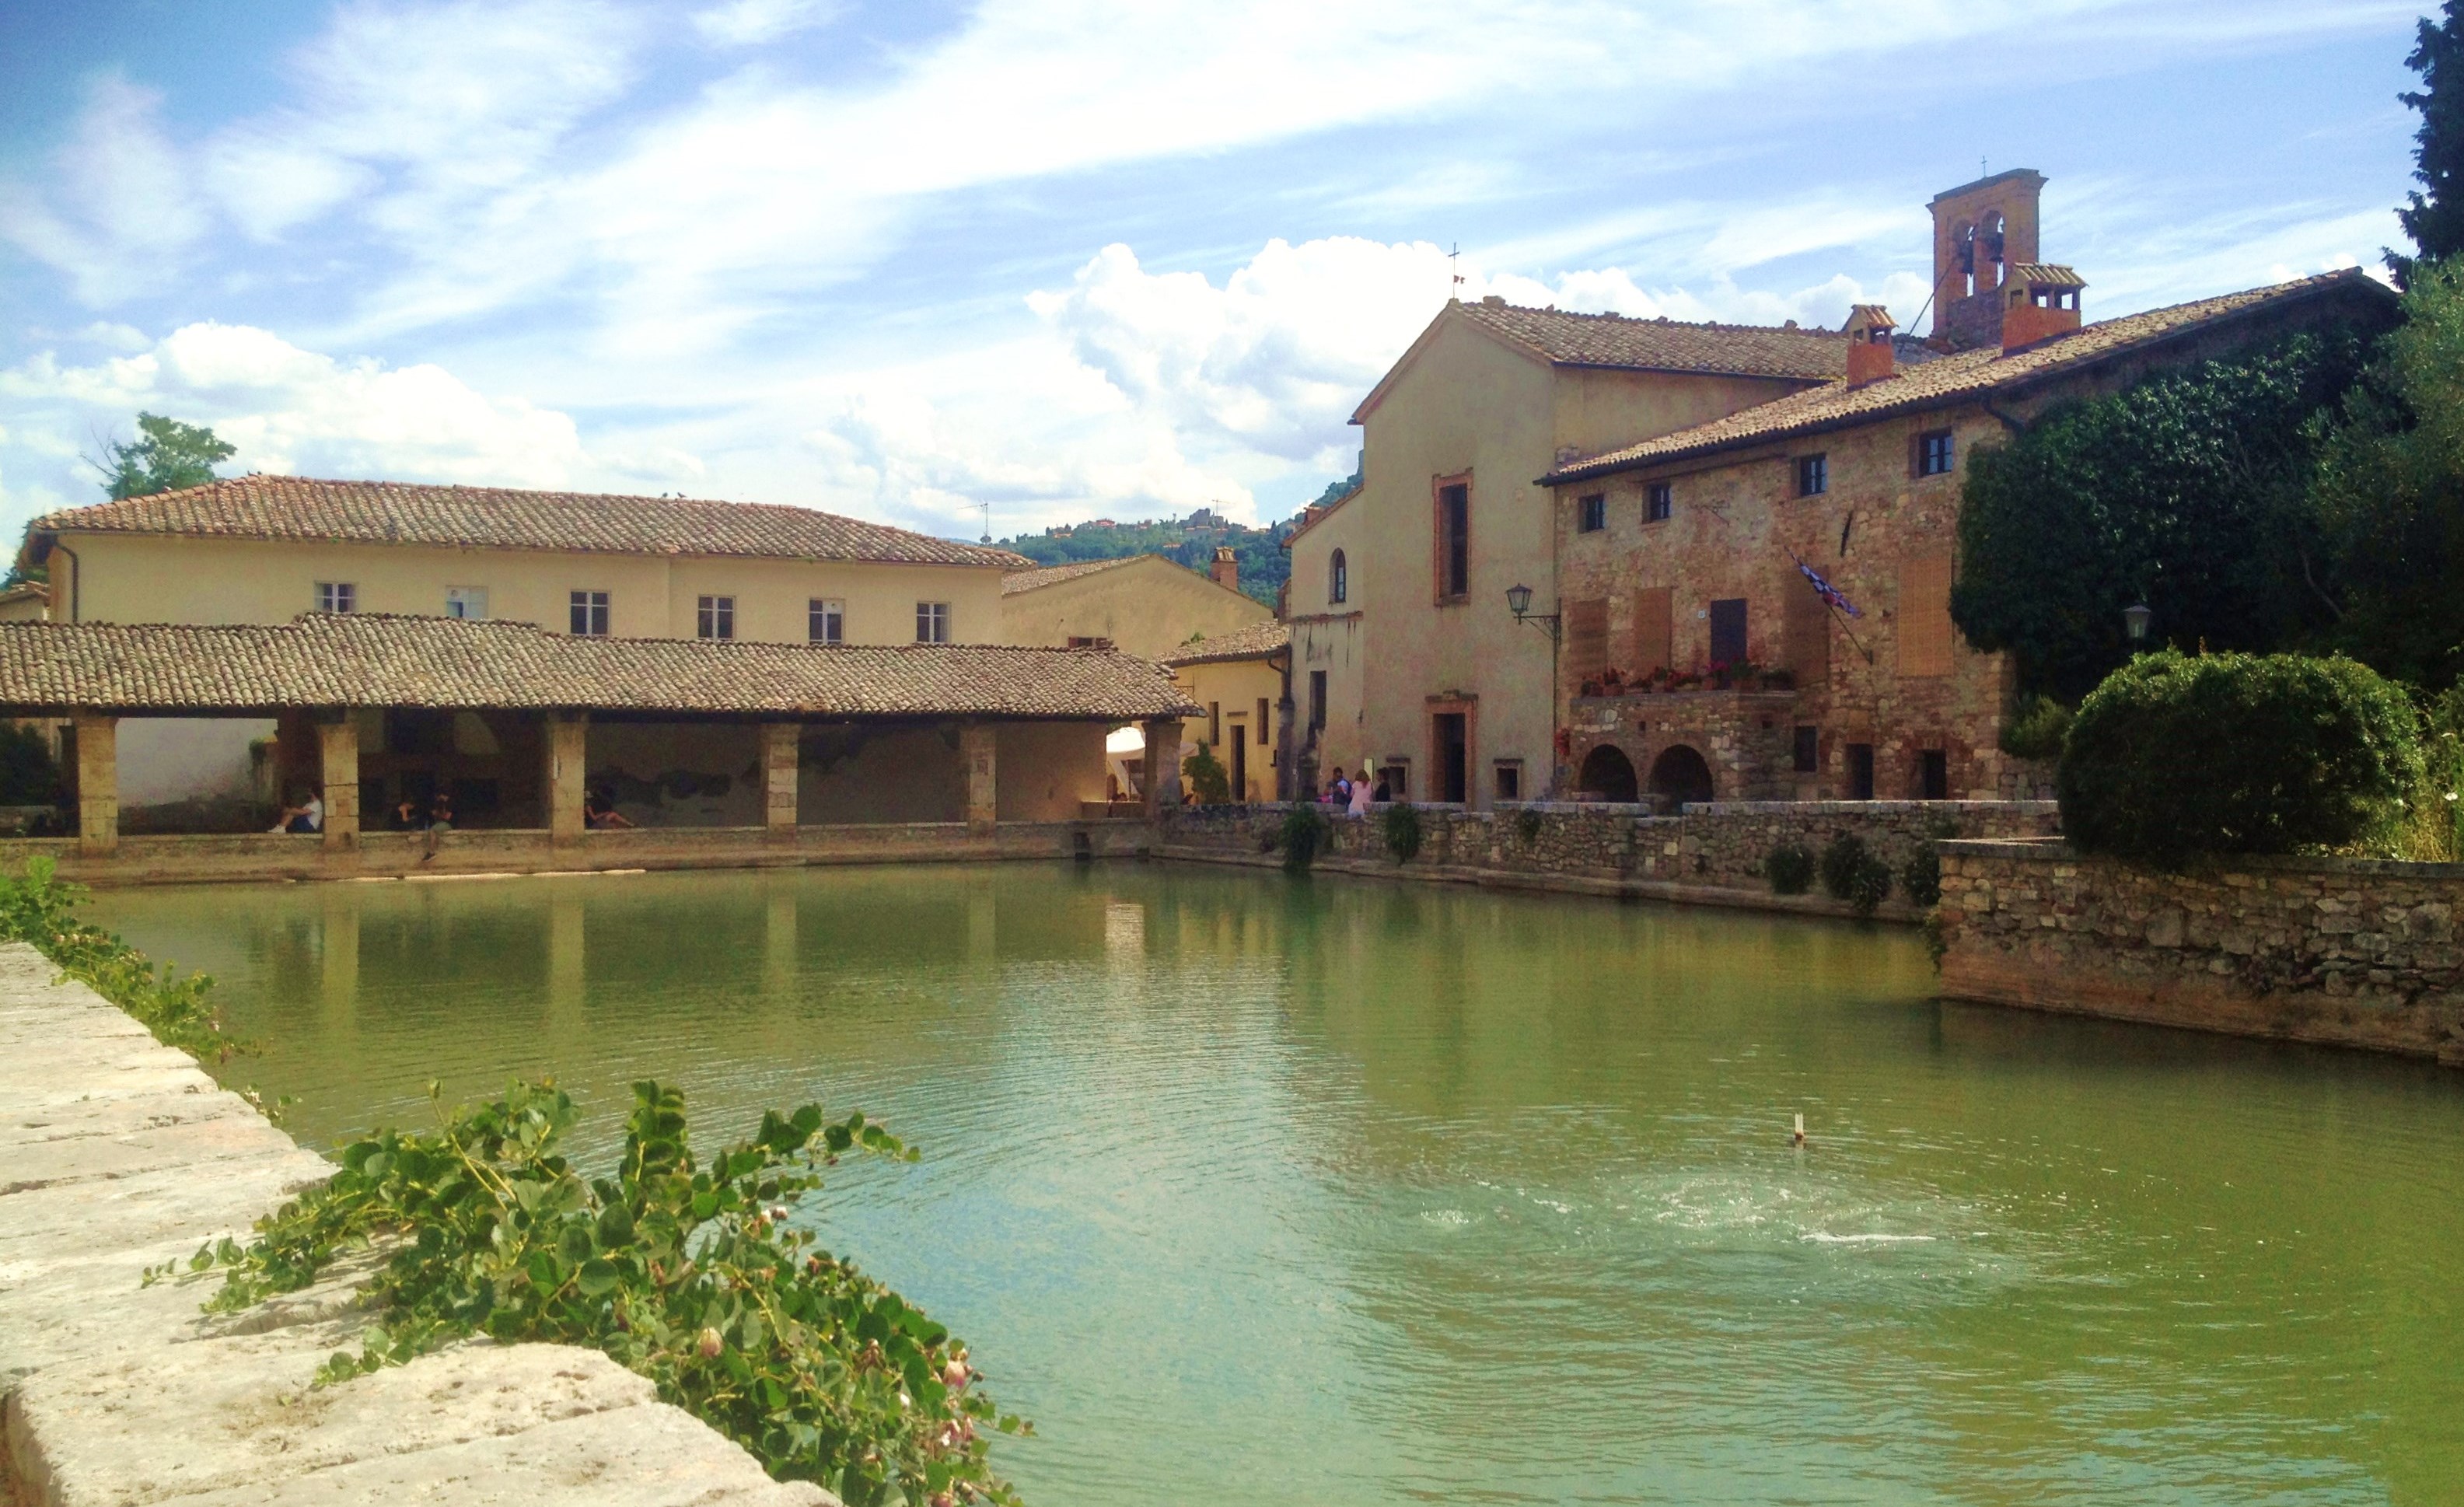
{"points": [[40, 910]]}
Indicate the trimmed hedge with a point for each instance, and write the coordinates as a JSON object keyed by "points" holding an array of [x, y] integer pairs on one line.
{"points": [[2176, 756], [1790, 867]]}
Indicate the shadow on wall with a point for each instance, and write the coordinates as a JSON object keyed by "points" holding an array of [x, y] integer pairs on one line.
{"points": [[679, 774]]}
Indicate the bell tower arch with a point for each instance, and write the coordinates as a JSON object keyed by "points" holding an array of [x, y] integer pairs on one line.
{"points": [[1981, 231]]}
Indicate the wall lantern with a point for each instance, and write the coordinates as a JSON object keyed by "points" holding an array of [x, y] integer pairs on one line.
{"points": [[2134, 621], [1518, 601]]}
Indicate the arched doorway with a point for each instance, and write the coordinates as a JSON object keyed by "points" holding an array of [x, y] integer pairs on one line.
{"points": [[1607, 774], [1679, 774]]}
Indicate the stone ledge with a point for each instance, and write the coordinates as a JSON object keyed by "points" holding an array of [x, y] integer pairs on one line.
{"points": [[2053, 849]]}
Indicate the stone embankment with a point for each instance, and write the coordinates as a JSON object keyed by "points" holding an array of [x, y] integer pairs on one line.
{"points": [[2344, 951], [117, 1154], [1710, 853]]}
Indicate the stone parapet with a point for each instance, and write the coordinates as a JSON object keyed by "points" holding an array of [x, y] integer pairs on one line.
{"points": [[2351, 952]]}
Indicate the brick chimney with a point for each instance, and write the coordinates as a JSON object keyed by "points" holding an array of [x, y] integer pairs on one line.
{"points": [[2043, 304], [1871, 356], [1226, 571]]}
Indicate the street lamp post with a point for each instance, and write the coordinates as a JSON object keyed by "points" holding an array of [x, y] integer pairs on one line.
{"points": [[1518, 601], [2134, 622]]}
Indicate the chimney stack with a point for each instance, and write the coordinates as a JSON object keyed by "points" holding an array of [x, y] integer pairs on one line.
{"points": [[1871, 355], [1226, 571], [2043, 304]]}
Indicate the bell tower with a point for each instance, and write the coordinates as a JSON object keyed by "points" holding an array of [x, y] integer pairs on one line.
{"points": [[1981, 231]]}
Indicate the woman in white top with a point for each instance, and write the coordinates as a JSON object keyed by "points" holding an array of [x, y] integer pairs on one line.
{"points": [[1360, 789]]}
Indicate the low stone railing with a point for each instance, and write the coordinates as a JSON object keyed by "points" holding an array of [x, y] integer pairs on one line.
{"points": [[2345, 951]]}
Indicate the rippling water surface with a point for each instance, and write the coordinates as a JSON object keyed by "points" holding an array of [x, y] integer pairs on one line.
{"points": [[1330, 1192]]}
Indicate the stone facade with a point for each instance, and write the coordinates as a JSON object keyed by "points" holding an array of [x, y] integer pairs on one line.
{"points": [[2344, 951]]}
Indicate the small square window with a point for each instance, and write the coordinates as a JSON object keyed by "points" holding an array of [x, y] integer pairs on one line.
{"points": [[589, 613], [715, 617], [1591, 513], [1808, 749], [931, 622], [1509, 779], [1812, 475], [1935, 454], [336, 596], [1658, 500], [825, 620], [466, 601]]}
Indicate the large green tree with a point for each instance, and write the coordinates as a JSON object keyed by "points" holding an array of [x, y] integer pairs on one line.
{"points": [[2434, 215], [2189, 491], [167, 457]]}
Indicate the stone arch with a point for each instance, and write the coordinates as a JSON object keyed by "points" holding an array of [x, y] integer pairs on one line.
{"points": [[1609, 774], [1680, 774]]}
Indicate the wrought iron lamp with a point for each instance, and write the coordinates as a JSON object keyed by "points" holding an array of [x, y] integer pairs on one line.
{"points": [[1518, 601], [2134, 622]]}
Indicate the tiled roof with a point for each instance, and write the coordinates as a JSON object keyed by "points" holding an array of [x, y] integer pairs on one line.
{"points": [[373, 659], [2046, 275], [1253, 641], [1611, 340], [1018, 581], [502, 518], [1965, 376]]}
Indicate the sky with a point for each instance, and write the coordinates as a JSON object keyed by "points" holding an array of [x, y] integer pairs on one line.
{"points": [[1026, 262]]}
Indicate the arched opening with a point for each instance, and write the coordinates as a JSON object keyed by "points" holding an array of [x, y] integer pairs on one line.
{"points": [[1339, 579], [1680, 775], [1989, 239], [1607, 774]]}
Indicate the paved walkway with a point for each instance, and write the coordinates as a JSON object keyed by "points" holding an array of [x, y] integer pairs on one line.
{"points": [[117, 1154]]}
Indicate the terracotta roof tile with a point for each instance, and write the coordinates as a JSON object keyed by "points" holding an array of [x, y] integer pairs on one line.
{"points": [[1611, 340], [1253, 641], [1018, 581], [1956, 378], [373, 659], [503, 517]]}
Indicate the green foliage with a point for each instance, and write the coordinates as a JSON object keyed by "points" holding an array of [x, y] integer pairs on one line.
{"points": [[171, 456], [1209, 781], [1305, 832], [2189, 491], [1401, 828], [2035, 728], [686, 1272], [2431, 829], [2176, 756], [2435, 220], [1790, 867], [40, 910], [1851, 873], [1921, 877], [1259, 552], [1526, 824]]}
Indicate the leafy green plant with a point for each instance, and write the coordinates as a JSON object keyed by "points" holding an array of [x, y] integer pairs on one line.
{"points": [[2035, 728], [1526, 824], [1208, 780], [40, 910], [687, 1273], [1305, 834], [28, 776], [1921, 877], [1401, 828], [2175, 756], [1852, 873], [1790, 867]]}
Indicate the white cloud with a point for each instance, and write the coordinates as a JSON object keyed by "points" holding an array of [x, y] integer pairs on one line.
{"points": [[121, 207], [744, 23]]}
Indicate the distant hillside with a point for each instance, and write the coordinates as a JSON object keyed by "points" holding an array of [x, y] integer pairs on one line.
{"points": [[1191, 541]]}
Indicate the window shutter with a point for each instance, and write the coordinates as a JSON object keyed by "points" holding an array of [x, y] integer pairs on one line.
{"points": [[1651, 651], [1587, 638], [1805, 632], [1924, 619]]}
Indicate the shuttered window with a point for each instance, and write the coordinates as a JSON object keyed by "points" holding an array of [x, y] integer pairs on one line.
{"points": [[1924, 617], [1652, 633], [1805, 631], [1587, 639]]}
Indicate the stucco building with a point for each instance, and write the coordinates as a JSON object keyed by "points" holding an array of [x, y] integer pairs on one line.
{"points": [[1139, 603], [1237, 680]]}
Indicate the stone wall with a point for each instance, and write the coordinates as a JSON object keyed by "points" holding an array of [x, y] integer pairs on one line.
{"points": [[2344, 951]]}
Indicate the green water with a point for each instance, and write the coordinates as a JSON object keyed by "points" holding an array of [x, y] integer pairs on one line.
{"points": [[1336, 1192]]}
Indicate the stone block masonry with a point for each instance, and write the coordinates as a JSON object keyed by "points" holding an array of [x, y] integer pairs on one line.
{"points": [[2342, 951], [117, 1154]]}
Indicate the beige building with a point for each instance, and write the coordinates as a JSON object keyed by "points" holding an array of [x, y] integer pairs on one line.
{"points": [[1140, 605], [1406, 657], [1236, 677]]}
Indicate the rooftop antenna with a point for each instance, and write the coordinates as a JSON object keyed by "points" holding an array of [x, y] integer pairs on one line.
{"points": [[988, 520], [1453, 264]]}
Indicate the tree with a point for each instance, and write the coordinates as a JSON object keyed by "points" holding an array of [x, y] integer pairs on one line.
{"points": [[2189, 491], [2435, 220], [171, 456]]}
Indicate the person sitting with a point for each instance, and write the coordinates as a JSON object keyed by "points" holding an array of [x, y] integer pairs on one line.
{"points": [[598, 814], [440, 813], [308, 816], [1385, 792], [408, 816]]}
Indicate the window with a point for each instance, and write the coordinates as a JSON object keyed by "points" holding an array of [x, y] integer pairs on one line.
{"points": [[1935, 454], [1658, 500], [1591, 513], [931, 622], [825, 620], [1339, 579], [1508, 778], [1923, 624], [1215, 725], [1860, 772], [1089, 641], [336, 596], [1454, 540], [1808, 748], [1262, 723], [1933, 774], [715, 617], [1729, 632], [590, 613], [1812, 475], [466, 601], [1317, 699], [1398, 775]]}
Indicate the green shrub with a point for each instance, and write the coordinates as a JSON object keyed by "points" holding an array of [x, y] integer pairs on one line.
{"points": [[2035, 728], [2175, 756], [41, 911], [28, 774], [1402, 831], [1790, 867], [1851, 873], [1305, 834], [1526, 824], [1921, 877], [1209, 781]]}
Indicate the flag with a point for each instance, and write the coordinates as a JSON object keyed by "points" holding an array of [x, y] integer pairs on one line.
{"points": [[1825, 589]]}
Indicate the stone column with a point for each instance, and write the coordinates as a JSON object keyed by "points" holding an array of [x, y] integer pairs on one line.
{"points": [[779, 741], [337, 750], [566, 756], [1161, 778], [976, 748], [98, 783]]}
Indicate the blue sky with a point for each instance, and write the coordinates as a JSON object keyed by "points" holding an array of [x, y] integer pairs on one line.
{"points": [[1061, 258]]}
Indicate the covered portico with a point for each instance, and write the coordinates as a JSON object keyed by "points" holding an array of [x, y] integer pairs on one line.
{"points": [[790, 753]]}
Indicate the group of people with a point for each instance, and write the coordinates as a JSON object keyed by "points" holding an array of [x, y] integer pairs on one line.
{"points": [[1354, 792]]}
